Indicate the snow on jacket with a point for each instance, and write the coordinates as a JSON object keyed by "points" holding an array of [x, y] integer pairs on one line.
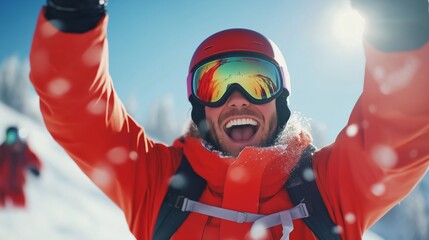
{"points": [[84, 114], [15, 160]]}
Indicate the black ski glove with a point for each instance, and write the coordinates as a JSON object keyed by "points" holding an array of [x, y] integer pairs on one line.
{"points": [[75, 16], [34, 171], [375, 10], [395, 25]]}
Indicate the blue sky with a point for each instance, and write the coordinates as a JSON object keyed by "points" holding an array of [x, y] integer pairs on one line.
{"points": [[151, 44]]}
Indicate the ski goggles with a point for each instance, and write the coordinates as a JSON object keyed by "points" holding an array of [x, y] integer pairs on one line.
{"points": [[259, 80]]}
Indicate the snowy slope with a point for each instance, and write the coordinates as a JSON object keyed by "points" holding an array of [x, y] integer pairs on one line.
{"points": [[62, 203]]}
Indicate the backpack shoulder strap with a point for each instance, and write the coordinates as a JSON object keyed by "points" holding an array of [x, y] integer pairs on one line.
{"points": [[302, 187], [185, 183], [2, 150]]}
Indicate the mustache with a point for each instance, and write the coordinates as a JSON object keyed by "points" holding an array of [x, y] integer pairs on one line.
{"points": [[235, 112]]}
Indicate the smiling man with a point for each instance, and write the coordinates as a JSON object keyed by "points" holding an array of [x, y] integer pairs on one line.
{"points": [[239, 123], [238, 85], [247, 171]]}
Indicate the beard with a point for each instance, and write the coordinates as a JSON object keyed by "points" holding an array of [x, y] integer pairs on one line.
{"points": [[216, 136]]}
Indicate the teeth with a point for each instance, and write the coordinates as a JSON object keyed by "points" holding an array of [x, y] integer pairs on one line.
{"points": [[240, 122]]}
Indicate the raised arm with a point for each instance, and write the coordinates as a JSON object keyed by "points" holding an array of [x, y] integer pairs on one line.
{"points": [[33, 162], [69, 70], [383, 151]]}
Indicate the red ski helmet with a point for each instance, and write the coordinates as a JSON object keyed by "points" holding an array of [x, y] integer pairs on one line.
{"points": [[245, 43]]}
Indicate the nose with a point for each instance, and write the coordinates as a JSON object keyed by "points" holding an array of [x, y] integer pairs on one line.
{"points": [[237, 100]]}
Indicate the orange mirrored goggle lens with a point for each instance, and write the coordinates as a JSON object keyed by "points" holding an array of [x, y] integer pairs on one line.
{"points": [[259, 78]]}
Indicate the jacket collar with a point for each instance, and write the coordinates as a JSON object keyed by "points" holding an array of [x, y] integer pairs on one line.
{"points": [[263, 169]]}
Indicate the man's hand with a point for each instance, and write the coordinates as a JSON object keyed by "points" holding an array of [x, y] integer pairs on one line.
{"points": [[75, 16], [395, 25], [77, 5], [34, 171], [391, 9]]}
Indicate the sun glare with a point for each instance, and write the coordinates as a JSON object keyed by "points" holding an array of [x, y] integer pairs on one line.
{"points": [[349, 26]]}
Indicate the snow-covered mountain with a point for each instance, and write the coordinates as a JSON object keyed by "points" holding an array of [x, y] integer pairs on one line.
{"points": [[62, 203]]}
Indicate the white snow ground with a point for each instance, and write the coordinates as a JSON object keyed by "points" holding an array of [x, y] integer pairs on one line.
{"points": [[62, 203]]}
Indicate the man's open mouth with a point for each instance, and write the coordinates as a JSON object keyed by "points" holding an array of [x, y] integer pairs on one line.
{"points": [[242, 129]]}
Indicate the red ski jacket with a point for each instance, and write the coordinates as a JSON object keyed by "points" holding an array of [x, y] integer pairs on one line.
{"points": [[15, 160], [358, 185]]}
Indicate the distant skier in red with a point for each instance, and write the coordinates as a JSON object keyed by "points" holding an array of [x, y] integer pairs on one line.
{"points": [[15, 158]]}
